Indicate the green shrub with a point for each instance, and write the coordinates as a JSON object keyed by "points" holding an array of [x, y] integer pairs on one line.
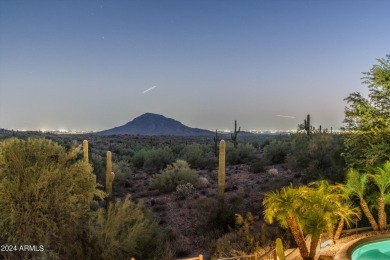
{"points": [[173, 175], [319, 154], [99, 167], [242, 240], [124, 231], [158, 158], [210, 218], [155, 158], [123, 174], [242, 154], [45, 194], [258, 166], [199, 156], [193, 154], [138, 159], [276, 151]]}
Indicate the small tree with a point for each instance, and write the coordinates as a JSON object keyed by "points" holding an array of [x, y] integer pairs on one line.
{"points": [[368, 119]]}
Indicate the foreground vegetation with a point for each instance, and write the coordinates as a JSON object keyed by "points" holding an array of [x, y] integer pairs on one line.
{"points": [[52, 195]]}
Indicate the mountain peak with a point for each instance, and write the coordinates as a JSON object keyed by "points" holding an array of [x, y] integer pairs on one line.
{"points": [[155, 124]]}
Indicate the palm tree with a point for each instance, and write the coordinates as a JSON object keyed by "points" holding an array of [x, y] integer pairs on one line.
{"points": [[324, 205], [381, 178], [337, 207], [356, 186], [310, 210], [347, 214], [314, 216], [284, 206]]}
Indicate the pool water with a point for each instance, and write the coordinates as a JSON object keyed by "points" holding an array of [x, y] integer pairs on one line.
{"points": [[372, 251]]}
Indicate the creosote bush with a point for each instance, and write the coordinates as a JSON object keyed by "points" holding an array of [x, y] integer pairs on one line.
{"points": [[276, 151], [242, 154], [155, 158], [199, 156], [123, 174], [124, 230], [45, 194], [173, 175], [184, 190], [242, 240]]}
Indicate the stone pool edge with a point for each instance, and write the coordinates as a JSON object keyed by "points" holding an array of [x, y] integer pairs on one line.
{"points": [[346, 250]]}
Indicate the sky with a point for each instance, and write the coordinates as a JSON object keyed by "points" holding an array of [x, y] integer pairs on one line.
{"points": [[99, 64]]}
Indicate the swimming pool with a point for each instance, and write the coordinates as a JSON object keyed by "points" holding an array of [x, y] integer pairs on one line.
{"points": [[375, 250]]}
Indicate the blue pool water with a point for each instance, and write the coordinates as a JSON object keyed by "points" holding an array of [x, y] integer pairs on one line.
{"points": [[372, 251]]}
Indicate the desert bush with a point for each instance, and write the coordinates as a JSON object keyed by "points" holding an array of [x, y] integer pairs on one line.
{"points": [[242, 240], [155, 158], [198, 156], [242, 154], [184, 190], [211, 218], [319, 154], [258, 166], [276, 151], [173, 175], [45, 194], [123, 174], [193, 154], [99, 167], [123, 231], [138, 159], [158, 158], [178, 244]]}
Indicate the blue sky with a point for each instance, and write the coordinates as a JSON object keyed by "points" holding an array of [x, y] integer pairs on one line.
{"points": [[86, 64]]}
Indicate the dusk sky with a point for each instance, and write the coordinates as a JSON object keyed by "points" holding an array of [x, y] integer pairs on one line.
{"points": [[99, 64]]}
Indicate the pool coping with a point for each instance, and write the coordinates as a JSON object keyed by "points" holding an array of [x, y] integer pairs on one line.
{"points": [[345, 251]]}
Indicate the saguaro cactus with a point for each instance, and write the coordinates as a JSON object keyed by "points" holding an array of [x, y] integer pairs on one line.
{"points": [[235, 133], [307, 126], [216, 140], [85, 150], [279, 249], [109, 175], [221, 174]]}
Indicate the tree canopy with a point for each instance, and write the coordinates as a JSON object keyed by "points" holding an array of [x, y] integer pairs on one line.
{"points": [[368, 120]]}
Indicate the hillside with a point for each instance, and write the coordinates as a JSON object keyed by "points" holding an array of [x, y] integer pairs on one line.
{"points": [[154, 124]]}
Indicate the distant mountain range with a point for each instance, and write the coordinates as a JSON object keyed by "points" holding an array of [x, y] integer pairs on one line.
{"points": [[154, 124]]}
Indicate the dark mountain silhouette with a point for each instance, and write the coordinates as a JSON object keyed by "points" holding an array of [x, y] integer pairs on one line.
{"points": [[153, 124]]}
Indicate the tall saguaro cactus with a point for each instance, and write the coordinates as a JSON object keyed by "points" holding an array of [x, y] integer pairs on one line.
{"points": [[307, 125], [221, 174], [216, 140], [235, 133], [109, 176], [85, 150]]}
